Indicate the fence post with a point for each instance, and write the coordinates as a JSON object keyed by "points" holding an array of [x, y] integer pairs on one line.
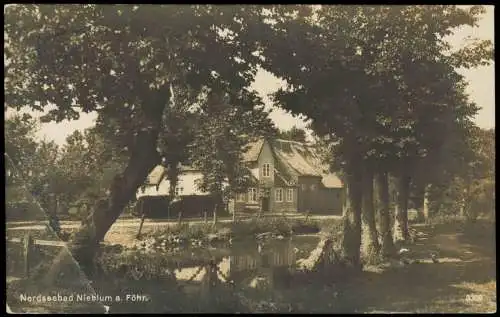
{"points": [[140, 226], [205, 218], [234, 216], [28, 245], [180, 218], [215, 215], [212, 274], [307, 214]]}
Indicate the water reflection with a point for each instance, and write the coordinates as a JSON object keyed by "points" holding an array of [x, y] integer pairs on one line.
{"points": [[260, 268], [252, 265], [244, 274]]}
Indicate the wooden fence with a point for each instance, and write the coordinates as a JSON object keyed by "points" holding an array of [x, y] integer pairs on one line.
{"points": [[28, 249]]}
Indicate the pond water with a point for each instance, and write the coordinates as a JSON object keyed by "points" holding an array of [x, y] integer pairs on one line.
{"points": [[249, 258], [260, 276], [247, 276]]}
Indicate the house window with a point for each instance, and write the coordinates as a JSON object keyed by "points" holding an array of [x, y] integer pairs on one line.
{"points": [[178, 191], [279, 194], [252, 194], [266, 170], [289, 194], [240, 197]]}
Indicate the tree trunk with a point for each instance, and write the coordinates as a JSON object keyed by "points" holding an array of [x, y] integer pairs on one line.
{"points": [[371, 246], [351, 239], [219, 203], [387, 244], [143, 158], [469, 212], [401, 221], [85, 242]]}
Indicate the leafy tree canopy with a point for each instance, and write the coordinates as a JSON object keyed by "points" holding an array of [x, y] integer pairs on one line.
{"points": [[294, 134]]}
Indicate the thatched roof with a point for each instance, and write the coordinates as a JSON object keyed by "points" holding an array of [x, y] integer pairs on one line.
{"points": [[293, 159], [296, 159], [156, 174], [253, 150], [331, 181]]}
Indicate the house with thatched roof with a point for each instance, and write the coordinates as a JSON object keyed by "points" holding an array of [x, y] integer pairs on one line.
{"points": [[288, 176]]}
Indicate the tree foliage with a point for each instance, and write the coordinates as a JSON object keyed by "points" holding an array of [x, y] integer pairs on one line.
{"points": [[223, 134], [380, 82], [466, 186], [89, 163], [121, 61], [294, 134], [20, 146], [33, 173]]}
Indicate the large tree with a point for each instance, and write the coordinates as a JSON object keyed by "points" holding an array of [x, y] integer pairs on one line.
{"points": [[20, 147], [349, 69], [465, 186], [32, 167], [20, 152], [88, 162], [217, 150], [120, 62]]}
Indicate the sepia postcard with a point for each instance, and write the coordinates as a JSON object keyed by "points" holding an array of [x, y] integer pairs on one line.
{"points": [[249, 158]]}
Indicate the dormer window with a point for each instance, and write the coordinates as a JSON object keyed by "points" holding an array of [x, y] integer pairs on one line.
{"points": [[266, 170]]}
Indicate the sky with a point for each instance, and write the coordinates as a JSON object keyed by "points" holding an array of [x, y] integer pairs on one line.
{"points": [[481, 90]]}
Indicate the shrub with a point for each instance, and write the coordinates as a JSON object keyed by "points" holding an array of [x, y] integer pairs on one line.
{"points": [[135, 265], [262, 225], [183, 231], [305, 226]]}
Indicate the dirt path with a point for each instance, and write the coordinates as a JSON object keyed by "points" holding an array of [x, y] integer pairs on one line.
{"points": [[464, 280]]}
